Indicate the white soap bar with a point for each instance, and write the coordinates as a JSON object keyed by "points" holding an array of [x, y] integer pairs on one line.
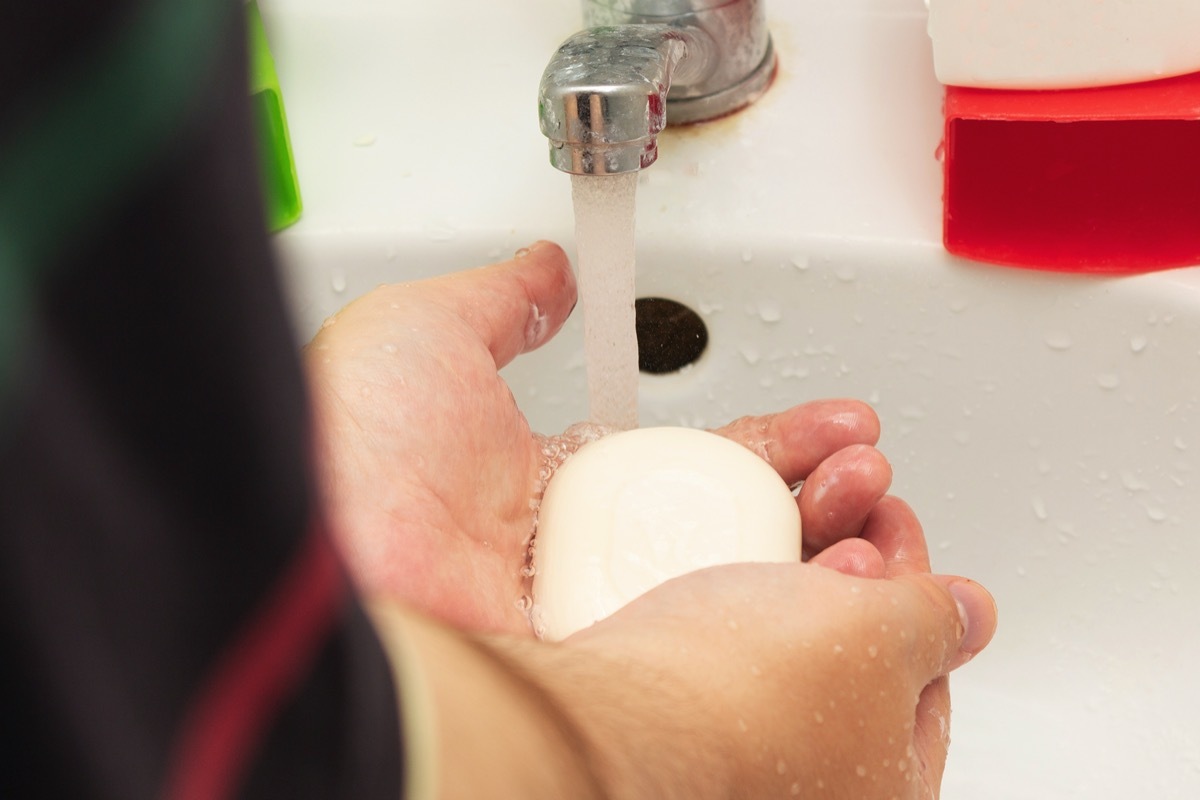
{"points": [[634, 509], [1062, 44]]}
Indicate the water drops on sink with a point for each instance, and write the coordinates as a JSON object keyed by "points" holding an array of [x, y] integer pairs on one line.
{"points": [[337, 281], [770, 311], [1059, 340], [751, 354]]}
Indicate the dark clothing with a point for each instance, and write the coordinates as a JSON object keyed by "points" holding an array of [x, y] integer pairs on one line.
{"points": [[175, 622]]}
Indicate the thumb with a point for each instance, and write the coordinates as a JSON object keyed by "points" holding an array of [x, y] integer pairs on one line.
{"points": [[514, 306], [955, 619]]}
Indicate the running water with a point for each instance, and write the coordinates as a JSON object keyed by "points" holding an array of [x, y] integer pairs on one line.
{"points": [[604, 235]]}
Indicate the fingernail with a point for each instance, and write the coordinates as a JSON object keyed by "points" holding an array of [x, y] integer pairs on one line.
{"points": [[977, 610]]}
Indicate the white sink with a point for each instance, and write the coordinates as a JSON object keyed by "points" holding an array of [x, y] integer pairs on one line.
{"points": [[1046, 428]]}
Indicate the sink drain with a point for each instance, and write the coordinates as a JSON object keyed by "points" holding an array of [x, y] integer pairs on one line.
{"points": [[670, 335]]}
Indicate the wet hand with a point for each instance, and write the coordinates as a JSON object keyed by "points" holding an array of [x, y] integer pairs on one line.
{"points": [[430, 473]]}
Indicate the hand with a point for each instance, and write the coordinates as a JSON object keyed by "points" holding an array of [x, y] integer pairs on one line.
{"points": [[777, 680], [429, 470]]}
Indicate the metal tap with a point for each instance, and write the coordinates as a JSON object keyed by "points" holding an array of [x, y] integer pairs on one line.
{"points": [[610, 89]]}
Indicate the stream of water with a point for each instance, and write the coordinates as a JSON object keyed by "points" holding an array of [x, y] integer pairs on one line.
{"points": [[604, 236]]}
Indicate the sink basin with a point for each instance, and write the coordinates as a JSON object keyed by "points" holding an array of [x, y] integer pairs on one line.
{"points": [[1045, 427]]}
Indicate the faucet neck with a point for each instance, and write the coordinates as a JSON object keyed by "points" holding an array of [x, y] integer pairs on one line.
{"points": [[742, 58]]}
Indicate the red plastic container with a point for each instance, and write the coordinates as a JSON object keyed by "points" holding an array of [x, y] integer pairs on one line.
{"points": [[1085, 180]]}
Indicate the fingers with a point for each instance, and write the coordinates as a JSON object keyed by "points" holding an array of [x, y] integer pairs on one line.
{"points": [[516, 305], [893, 528], [852, 557], [795, 441], [840, 493]]}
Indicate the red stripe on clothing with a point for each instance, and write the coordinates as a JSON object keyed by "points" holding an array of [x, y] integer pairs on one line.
{"points": [[256, 674]]}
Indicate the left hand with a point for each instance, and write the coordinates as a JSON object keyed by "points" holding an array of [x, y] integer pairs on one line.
{"points": [[430, 472]]}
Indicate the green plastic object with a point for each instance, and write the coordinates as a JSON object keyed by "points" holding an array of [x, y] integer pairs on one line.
{"points": [[280, 185]]}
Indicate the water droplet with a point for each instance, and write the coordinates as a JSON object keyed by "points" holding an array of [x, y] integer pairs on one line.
{"points": [[747, 255], [860, 771], [755, 671], [751, 354], [1059, 340], [742, 726], [337, 281], [1108, 380], [1039, 509], [524, 251], [388, 348], [366, 140], [781, 766], [1138, 343], [795, 789], [1156, 514], [846, 273], [819, 717], [769, 311], [872, 651], [800, 263], [1132, 482]]}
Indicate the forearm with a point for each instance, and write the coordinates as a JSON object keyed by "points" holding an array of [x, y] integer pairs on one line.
{"points": [[476, 725]]}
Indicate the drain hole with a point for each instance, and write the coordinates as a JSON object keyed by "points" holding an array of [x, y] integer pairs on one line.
{"points": [[670, 335]]}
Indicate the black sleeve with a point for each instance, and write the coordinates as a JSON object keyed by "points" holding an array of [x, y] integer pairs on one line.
{"points": [[175, 622]]}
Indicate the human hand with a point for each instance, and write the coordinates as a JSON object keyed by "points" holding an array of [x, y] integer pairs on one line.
{"points": [[775, 680], [430, 472]]}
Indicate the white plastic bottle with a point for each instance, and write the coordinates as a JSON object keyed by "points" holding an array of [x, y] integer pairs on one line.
{"points": [[1062, 44]]}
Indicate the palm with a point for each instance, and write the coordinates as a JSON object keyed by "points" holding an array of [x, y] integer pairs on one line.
{"points": [[431, 473], [429, 497]]}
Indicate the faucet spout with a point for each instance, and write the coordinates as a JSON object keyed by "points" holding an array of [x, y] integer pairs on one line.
{"points": [[603, 97], [608, 90]]}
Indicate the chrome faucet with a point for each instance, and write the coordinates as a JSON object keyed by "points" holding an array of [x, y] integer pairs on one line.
{"points": [[610, 89]]}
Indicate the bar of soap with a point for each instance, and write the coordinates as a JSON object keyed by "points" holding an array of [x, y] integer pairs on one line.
{"points": [[1062, 44], [634, 509]]}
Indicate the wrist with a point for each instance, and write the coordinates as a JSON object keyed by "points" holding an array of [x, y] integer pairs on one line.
{"points": [[487, 729], [641, 732]]}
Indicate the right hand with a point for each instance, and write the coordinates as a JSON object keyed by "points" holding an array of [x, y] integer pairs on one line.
{"points": [[777, 680]]}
